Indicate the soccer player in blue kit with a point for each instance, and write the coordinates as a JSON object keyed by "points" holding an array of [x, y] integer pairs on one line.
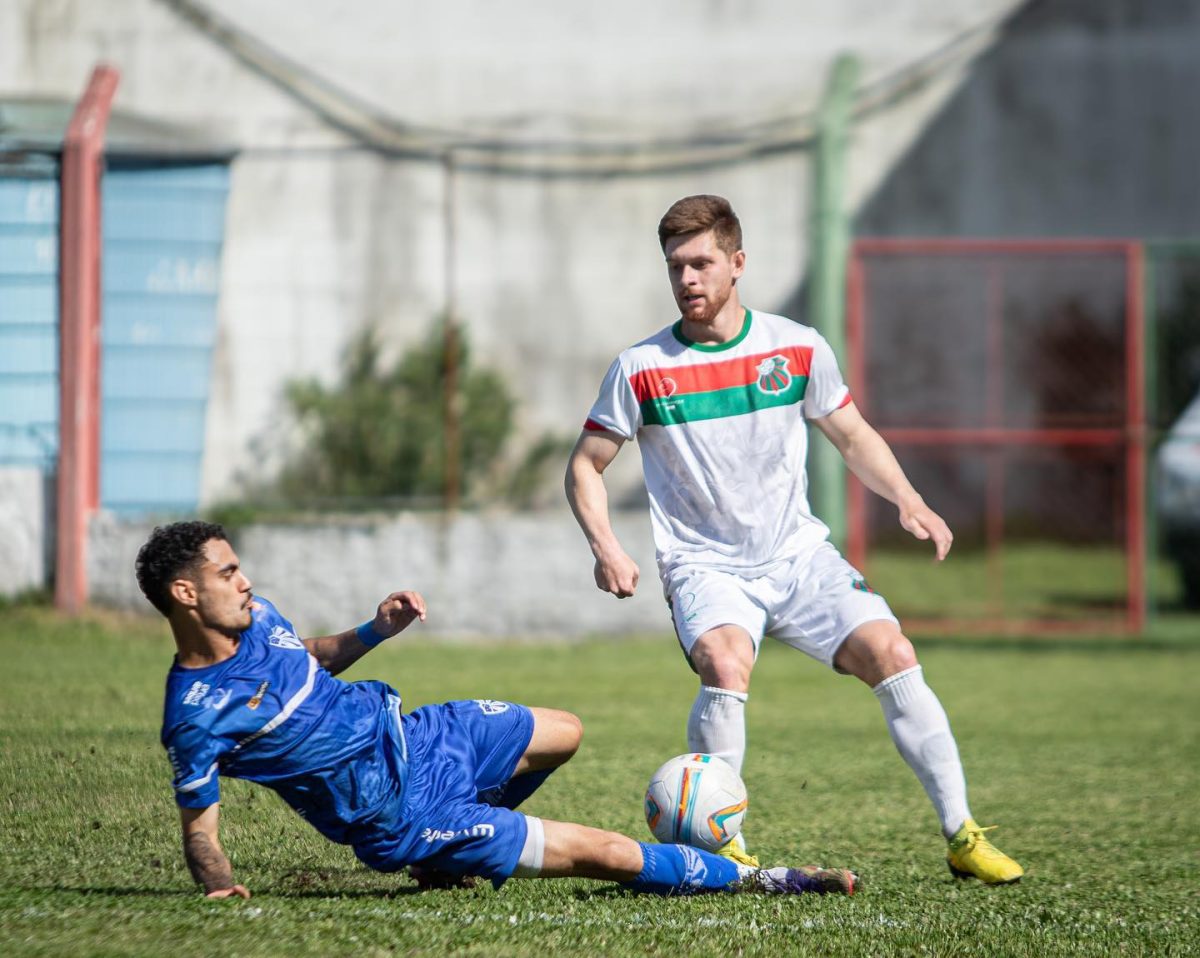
{"points": [[434, 789]]}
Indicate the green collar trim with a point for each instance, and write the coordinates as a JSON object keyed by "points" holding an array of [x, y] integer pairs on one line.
{"points": [[677, 330]]}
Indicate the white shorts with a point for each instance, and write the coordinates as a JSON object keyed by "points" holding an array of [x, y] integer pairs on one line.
{"points": [[811, 603]]}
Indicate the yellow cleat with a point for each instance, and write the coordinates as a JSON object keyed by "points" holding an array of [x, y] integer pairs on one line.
{"points": [[971, 855], [735, 851]]}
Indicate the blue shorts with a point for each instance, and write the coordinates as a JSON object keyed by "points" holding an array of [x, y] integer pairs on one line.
{"points": [[459, 755]]}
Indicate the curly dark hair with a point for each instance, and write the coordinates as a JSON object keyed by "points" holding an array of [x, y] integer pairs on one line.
{"points": [[169, 552]]}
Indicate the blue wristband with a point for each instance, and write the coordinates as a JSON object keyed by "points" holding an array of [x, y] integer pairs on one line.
{"points": [[368, 636]]}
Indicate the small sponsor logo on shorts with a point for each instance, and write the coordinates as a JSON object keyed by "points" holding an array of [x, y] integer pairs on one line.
{"points": [[491, 706], [687, 603], [483, 830]]}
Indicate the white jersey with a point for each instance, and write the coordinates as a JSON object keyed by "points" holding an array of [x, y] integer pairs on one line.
{"points": [[723, 439]]}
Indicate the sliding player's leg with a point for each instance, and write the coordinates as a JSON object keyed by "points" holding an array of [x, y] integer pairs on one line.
{"points": [[568, 850], [554, 740], [503, 752]]}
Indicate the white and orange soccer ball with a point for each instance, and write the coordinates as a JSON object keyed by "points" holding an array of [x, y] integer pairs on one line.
{"points": [[696, 800]]}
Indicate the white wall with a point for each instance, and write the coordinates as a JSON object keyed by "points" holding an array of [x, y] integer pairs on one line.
{"points": [[496, 575], [554, 276], [24, 529]]}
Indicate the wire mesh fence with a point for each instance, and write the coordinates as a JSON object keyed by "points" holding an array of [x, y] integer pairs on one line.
{"points": [[1008, 377]]}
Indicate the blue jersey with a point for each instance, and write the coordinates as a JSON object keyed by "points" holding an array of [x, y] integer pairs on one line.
{"points": [[333, 750]]}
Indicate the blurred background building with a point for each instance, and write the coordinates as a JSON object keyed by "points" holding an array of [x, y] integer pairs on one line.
{"points": [[280, 178]]}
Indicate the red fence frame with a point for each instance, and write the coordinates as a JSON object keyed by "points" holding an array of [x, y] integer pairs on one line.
{"points": [[1131, 436]]}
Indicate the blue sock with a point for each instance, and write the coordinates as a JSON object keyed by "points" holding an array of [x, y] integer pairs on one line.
{"points": [[683, 870], [513, 792]]}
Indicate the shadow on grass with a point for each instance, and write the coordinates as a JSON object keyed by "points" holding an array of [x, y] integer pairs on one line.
{"points": [[117, 891], [604, 891]]}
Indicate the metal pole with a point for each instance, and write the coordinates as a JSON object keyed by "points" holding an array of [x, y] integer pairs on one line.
{"points": [[829, 242], [451, 412], [1135, 459], [78, 493]]}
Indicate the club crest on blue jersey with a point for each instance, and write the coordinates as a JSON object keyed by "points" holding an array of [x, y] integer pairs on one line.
{"points": [[284, 639], [773, 375]]}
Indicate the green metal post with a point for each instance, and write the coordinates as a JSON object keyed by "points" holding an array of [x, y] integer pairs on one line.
{"points": [[829, 240]]}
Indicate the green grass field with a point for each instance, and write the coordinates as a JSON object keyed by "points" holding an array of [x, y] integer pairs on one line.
{"points": [[1085, 751]]}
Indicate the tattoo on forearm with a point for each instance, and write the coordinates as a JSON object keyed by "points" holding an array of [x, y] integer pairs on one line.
{"points": [[206, 862]]}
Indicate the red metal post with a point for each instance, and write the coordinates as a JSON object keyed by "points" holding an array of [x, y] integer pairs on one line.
{"points": [[79, 337], [1135, 448], [995, 459]]}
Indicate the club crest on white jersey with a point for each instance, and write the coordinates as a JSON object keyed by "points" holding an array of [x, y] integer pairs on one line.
{"points": [[773, 375]]}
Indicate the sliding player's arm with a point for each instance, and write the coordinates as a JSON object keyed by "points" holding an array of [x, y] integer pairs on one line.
{"points": [[615, 571], [871, 459], [205, 858], [336, 653]]}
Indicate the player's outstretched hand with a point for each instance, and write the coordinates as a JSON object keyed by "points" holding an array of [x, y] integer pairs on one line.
{"points": [[924, 523], [239, 891], [397, 612], [617, 573]]}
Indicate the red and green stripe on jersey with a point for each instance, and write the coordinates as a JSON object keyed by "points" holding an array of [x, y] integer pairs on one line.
{"points": [[671, 395]]}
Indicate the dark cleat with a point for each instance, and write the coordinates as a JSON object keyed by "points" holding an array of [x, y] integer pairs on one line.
{"points": [[431, 879], [806, 880]]}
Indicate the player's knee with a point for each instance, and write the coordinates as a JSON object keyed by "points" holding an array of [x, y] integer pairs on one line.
{"points": [[898, 654], [724, 662], [572, 733], [566, 732], [728, 673]]}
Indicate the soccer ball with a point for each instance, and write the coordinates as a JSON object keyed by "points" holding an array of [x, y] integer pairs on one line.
{"points": [[696, 800]]}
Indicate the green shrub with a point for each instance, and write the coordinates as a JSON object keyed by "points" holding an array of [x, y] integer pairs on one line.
{"points": [[379, 432]]}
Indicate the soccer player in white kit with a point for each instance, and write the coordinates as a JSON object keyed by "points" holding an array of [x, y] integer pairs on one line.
{"points": [[718, 402]]}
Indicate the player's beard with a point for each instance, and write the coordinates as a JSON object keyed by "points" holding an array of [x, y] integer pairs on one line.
{"points": [[713, 304], [227, 621]]}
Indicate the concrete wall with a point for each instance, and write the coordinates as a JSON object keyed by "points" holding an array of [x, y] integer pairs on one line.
{"points": [[498, 575], [25, 529], [553, 276], [1078, 122]]}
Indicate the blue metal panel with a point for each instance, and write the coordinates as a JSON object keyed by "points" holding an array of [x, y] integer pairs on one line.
{"points": [[29, 318], [151, 483], [163, 229]]}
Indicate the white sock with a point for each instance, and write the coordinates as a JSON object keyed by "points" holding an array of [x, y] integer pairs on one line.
{"points": [[717, 725], [919, 727]]}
